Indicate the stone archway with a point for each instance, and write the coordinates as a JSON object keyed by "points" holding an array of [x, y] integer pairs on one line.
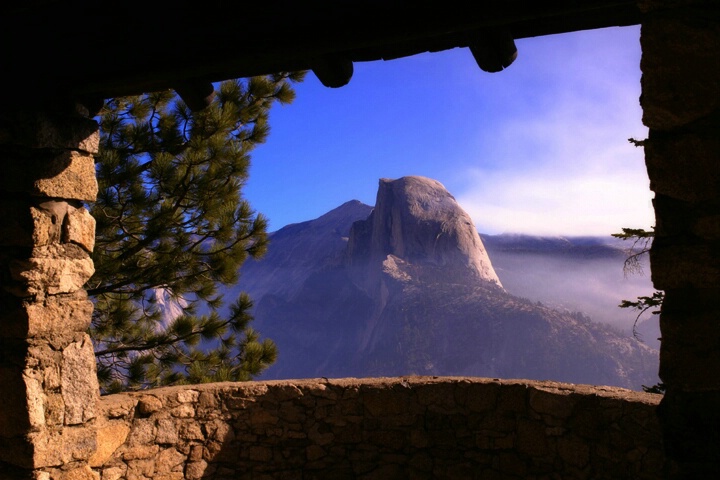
{"points": [[46, 360]]}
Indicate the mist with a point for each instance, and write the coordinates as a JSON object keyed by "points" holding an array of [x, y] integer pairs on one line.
{"points": [[575, 276]]}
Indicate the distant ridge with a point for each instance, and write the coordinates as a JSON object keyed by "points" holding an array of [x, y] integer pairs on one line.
{"points": [[407, 287]]}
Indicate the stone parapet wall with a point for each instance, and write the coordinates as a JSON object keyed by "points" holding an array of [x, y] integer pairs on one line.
{"points": [[385, 428]]}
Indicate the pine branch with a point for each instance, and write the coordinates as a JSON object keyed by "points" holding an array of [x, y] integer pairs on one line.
{"points": [[171, 216], [631, 265]]}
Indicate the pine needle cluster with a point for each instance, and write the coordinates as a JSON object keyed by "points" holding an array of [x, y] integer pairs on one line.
{"points": [[641, 241], [172, 227]]}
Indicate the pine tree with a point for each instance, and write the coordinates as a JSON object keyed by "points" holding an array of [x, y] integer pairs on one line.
{"points": [[172, 225], [641, 240]]}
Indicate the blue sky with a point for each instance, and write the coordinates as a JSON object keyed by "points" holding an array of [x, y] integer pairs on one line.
{"points": [[540, 148]]}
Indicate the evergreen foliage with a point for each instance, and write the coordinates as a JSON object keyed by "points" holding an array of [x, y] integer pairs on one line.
{"points": [[172, 225], [641, 241]]}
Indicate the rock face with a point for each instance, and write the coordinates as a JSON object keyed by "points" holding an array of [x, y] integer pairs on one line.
{"points": [[417, 222], [408, 288]]}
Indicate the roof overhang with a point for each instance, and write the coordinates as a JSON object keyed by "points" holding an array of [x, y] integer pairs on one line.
{"points": [[91, 49]]}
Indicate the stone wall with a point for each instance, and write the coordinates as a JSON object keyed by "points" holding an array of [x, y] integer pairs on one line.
{"points": [[681, 106], [374, 428], [47, 365], [415, 427]]}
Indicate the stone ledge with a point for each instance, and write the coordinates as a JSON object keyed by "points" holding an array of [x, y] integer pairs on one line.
{"points": [[422, 427]]}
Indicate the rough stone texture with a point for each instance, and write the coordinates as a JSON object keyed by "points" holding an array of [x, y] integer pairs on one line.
{"points": [[415, 427], [47, 362], [50, 130], [75, 178], [690, 323], [684, 253], [53, 269], [79, 381], [67, 313], [17, 223], [62, 447], [699, 267], [442, 233], [79, 228], [680, 65], [50, 174], [14, 420], [692, 176], [109, 438], [681, 105], [56, 222], [45, 223]]}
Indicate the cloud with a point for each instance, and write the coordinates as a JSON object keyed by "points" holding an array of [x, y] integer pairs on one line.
{"points": [[560, 162], [569, 187], [547, 204]]}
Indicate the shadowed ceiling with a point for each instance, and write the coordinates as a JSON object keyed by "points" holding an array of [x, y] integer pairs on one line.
{"points": [[89, 50]]}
